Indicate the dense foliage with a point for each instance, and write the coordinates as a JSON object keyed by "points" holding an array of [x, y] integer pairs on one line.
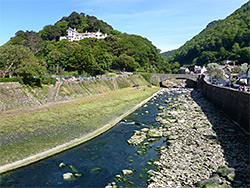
{"points": [[30, 54], [118, 51], [220, 40]]}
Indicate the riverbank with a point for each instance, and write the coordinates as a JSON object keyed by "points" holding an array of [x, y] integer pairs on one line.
{"points": [[204, 147], [27, 137]]}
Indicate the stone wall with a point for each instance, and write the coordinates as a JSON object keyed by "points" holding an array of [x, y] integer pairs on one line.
{"points": [[235, 104], [163, 77], [15, 96], [8, 85]]}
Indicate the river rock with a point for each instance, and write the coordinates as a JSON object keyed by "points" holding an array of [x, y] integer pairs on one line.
{"points": [[229, 173], [73, 169], [118, 176], [127, 172], [154, 133], [160, 108], [138, 138], [68, 176], [213, 181], [145, 130], [62, 165], [191, 154], [158, 119]]}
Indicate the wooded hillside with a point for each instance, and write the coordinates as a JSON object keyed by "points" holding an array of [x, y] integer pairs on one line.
{"points": [[220, 40], [89, 56]]}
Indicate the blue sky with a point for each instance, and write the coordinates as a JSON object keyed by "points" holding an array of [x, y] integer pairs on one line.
{"points": [[168, 24]]}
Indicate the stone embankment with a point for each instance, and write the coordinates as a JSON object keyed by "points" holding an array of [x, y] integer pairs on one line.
{"points": [[16, 96], [203, 147]]}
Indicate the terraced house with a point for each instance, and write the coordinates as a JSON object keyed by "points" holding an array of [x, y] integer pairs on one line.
{"points": [[73, 35]]}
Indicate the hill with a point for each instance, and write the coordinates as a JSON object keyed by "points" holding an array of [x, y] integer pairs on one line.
{"points": [[119, 51], [168, 53], [220, 40]]}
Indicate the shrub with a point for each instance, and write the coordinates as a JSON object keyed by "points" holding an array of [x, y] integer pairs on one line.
{"points": [[32, 81], [49, 80], [146, 76], [14, 79]]}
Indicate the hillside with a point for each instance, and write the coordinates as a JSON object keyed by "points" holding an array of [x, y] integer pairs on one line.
{"points": [[119, 51], [220, 40], [168, 53]]}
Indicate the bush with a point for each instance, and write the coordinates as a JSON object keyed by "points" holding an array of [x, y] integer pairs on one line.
{"points": [[32, 81], [156, 83], [49, 80], [14, 79], [146, 76]]}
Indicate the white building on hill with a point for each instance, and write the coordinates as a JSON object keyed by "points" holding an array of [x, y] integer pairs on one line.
{"points": [[73, 35]]}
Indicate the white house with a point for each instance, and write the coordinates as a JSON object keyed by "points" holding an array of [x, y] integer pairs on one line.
{"points": [[199, 70], [184, 70], [73, 35]]}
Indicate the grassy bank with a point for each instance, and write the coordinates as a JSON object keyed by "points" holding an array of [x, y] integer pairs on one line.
{"points": [[27, 133]]}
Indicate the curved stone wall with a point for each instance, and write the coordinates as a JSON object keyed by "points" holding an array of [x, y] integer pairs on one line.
{"points": [[236, 104]]}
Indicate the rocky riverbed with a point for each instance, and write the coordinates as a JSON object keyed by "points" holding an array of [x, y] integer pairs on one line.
{"points": [[203, 147]]}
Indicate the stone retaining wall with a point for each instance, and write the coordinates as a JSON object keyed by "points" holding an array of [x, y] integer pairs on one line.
{"points": [[8, 85], [235, 104]]}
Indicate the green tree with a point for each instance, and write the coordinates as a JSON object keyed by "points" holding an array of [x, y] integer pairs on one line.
{"points": [[243, 68], [127, 62], [11, 56], [30, 69], [214, 70], [82, 60], [57, 58], [50, 32], [103, 61]]}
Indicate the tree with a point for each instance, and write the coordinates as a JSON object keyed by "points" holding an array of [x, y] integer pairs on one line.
{"points": [[35, 43], [103, 61], [50, 32], [11, 56], [243, 68], [30, 69], [127, 62], [56, 58], [214, 70], [82, 59]]}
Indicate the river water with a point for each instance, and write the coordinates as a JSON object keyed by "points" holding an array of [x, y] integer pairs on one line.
{"points": [[99, 160]]}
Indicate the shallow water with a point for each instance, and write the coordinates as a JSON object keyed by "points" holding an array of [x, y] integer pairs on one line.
{"points": [[98, 160]]}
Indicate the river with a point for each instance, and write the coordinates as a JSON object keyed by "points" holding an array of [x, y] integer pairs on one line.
{"points": [[100, 160]]}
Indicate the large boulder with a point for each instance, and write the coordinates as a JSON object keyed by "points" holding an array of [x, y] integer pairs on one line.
{"points": [[68, 176], [127, 172], [138, 138]]}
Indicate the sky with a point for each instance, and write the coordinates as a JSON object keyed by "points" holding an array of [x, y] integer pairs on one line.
{"points": [[168, 24]]}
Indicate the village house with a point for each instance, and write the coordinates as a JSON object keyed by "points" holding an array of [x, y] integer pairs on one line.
{"points": [[73, 35], [199, 70], [184, 70], [226, 62]]}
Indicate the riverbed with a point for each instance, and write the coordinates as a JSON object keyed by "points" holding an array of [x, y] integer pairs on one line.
{"points": [[198, 145], [100, 160]]}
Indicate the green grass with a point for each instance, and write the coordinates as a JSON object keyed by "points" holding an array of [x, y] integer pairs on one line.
{"points": [[45, 128]]}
